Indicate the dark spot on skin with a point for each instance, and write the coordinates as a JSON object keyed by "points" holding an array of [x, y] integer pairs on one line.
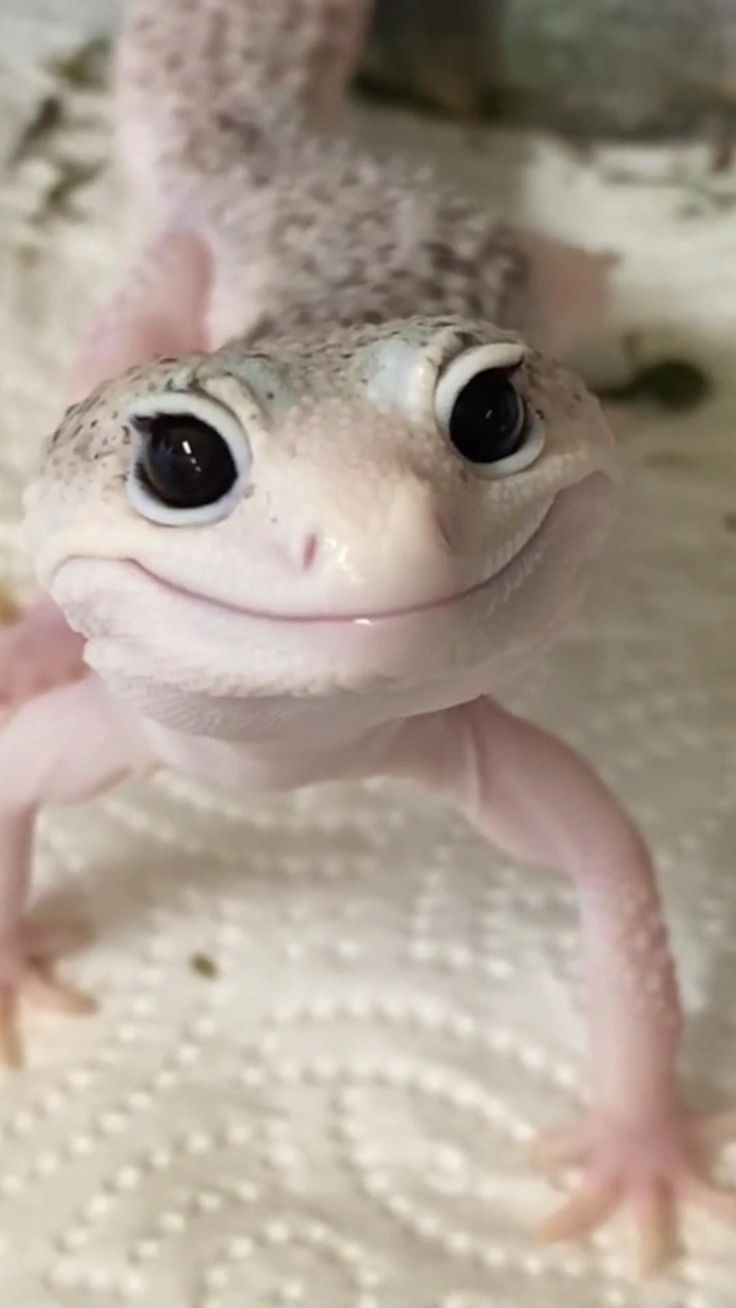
{"points": [[262, 327], [259, 177], [443, 256], [729, 521], [249, 135], [430, 291]]}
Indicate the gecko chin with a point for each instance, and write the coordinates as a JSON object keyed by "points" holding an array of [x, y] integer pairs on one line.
{"points": [[211, 668]]}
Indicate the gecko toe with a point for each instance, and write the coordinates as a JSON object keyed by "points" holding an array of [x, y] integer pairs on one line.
{"points": [[656, 1223], [559, 1148], [719, 1203], [586, 1210], [11, 1045], [43, 990]]}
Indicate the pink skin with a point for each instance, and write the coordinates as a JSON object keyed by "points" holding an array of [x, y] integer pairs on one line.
{"points": [[536, 799], [37, 652], [532, 797], [525, 791], [159, 310], [39, 732]]}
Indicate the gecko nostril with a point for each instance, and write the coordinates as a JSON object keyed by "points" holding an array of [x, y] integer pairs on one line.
{"points": [[443, 529], [309, 553]]}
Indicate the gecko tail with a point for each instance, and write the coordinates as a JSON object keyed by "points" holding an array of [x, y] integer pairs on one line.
{"points": [[200, 84]]}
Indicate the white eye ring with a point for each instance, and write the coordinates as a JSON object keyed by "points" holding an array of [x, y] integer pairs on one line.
{"points": [[461, 371], [214, 415]]}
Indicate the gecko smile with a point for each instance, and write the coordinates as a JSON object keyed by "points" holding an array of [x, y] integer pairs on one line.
{"points": [[510, 573]]}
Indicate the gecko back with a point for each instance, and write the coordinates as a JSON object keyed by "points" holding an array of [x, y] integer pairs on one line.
{"points": [[222, 111], [204, 84]]}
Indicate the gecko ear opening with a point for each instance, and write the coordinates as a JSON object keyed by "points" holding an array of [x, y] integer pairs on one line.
{"points": [[191, 460]]}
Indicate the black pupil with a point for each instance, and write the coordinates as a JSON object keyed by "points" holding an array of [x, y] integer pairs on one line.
{"points": [[184, 462], [489, 420]]}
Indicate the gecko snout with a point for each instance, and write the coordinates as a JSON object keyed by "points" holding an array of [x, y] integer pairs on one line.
{"points": [[381, 551], [416, 522], [385, 550]]}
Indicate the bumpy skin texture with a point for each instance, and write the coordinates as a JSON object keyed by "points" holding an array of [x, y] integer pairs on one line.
{"points": [[356, 524], [367, 588]]}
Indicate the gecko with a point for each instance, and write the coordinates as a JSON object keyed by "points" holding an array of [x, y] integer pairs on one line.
{"points": [[321, 492]]}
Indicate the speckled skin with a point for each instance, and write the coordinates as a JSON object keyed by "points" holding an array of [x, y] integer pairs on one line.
{"points": [[282, 225], [359, 521], [300, 228], [367, 589]]}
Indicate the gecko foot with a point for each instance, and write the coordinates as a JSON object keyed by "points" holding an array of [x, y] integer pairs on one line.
{"points": [[37, 652], [655, 1170], [27, 975]]}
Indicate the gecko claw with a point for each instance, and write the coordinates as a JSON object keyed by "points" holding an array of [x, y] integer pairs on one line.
{"points": [[35, 983], [43, 990], [654, 1171], [555, 1149], [581, 1214], [11, 1045], [656, 1223]]}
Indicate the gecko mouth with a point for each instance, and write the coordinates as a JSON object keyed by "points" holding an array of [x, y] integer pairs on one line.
{"points": [[512, 571]]}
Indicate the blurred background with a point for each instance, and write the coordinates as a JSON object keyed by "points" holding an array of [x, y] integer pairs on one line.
{"points": [[617, 68]]}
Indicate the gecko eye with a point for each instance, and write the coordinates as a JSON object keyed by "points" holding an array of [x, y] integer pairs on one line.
{"points": [[485, 415], [190, 460], [184, 462]]}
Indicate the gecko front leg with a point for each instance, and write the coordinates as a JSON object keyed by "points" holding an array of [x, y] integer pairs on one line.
{"points": [[160, 309], [38, 651], [638, 1144], [58, 748]]}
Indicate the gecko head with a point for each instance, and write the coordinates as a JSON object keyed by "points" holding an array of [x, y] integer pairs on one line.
{"points": [[380, 520]]}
